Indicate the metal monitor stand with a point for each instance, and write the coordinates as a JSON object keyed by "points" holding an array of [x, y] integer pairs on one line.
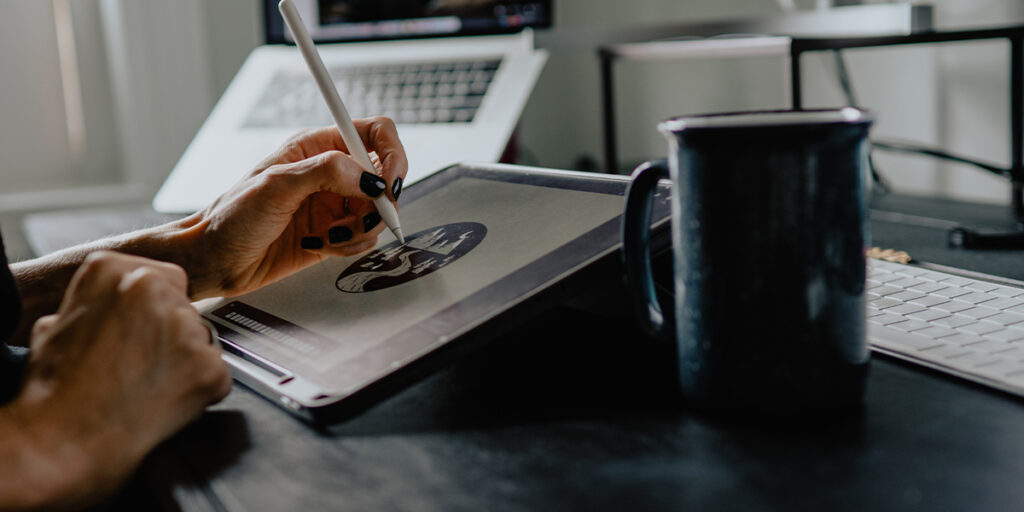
{"points": [[961, 236]]}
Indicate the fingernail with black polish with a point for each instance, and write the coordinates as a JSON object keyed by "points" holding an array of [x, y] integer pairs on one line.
{"points": [[396, 188], [339, 234], [312, 242], [370, 221], [371, 184]]}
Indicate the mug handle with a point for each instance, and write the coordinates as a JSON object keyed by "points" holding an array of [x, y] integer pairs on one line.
{"points": [[636, 245]]}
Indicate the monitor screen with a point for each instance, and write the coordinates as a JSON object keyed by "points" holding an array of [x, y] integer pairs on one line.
{"points": [[371, 20]]}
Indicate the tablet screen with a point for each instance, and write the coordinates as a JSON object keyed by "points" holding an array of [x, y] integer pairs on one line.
{"points": [[478, 241]]}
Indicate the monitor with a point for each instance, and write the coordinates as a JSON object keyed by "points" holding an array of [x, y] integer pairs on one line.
{"points": [[373, 20]]}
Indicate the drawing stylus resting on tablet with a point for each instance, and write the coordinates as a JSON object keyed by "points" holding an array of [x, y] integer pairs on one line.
{"points": [[341, 118]]}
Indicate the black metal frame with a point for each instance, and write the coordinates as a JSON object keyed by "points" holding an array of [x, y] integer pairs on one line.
{"points": [[959, 237], [611, 153], [1015, 36]]}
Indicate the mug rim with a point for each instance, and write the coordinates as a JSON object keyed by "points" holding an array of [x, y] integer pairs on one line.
{"points": [[760, 118]]}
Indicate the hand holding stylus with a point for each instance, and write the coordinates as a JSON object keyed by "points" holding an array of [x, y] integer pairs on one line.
{"points": [[338, 111]]}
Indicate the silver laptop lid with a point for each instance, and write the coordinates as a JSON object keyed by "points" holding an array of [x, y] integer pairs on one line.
{"points": [[374, 20]]}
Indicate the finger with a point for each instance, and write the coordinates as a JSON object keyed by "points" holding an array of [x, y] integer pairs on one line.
{"points": [[102, 271], [325, 209], [214, 336], [288, 185], [349, 231], [157, 279], [342, 232], [396, 183], [381, 137], [312, 142], [352, 248], [211, 375], [368, 220], [44, 326]]}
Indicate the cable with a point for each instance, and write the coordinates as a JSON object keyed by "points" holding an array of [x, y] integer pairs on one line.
{"points": [[851, 99], [902, 147]]}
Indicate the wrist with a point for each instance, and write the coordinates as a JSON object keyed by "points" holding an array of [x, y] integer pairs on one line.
{"points": [[183, 243], [42, 468]]}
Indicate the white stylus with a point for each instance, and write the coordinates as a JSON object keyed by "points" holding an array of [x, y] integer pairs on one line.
{"points": [[341, 118]]}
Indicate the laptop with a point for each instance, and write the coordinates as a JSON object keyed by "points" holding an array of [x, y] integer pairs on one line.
{"points": [[453, 74]]}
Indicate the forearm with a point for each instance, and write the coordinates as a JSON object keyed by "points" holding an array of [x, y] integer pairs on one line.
{"points": [[42, 281]]}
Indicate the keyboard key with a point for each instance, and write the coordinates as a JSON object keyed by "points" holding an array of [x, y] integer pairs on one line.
{"points": [[980, 328], [886, 319], [878, 267], [909, 325], [947, 351], [883, 303], [928, 287], [903, 340], [952, 321], [962, 339], [974, 360], [976, 297], [989, 346], [1005, 318], [935, 331], [951, 292], [929, 301], [997, 369], [478, 88], [980, 286], [909, 271], [953, 306], [1004, 303], [903, 309], [1007, 335], [885, 278], [907, 296], [979, 312], [906, 282], [886, 290], [956, 281], [928, 315], [1007, 291]]}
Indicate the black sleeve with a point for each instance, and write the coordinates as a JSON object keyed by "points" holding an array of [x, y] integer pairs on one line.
{"points": [[12, 359]]}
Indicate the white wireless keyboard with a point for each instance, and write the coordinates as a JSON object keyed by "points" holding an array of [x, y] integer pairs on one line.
{"points": [[969, 327]]}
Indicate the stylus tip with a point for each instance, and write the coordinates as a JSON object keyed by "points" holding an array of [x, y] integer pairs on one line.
{"points": [[398, 234]]}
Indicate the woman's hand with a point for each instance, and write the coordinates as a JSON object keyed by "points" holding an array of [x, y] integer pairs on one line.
{"points": [[305, 202], [124, 363]]}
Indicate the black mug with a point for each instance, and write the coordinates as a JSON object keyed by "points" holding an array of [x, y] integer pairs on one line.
{"points": [[769, 235]]}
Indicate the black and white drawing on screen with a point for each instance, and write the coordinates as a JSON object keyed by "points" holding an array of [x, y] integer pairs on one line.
{"points": [[425, 252]]}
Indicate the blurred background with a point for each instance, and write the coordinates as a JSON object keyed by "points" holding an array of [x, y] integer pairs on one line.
{"points": [[101, 97]]}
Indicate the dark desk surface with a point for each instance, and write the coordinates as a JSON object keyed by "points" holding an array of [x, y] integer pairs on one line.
{"points": [[578, 412]]}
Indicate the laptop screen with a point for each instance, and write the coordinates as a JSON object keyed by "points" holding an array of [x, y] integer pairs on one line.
{"points": [[373, 20]]}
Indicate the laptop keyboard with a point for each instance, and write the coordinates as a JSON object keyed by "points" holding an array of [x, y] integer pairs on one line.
{"points": [[438, 92], [972, 328]]}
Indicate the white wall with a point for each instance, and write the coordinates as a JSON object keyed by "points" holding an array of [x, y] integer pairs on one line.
{"points": [[562, 121], [954, 97], [33, 131]]}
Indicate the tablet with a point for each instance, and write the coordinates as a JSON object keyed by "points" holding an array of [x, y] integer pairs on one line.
{"points": [[484, 244]]}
